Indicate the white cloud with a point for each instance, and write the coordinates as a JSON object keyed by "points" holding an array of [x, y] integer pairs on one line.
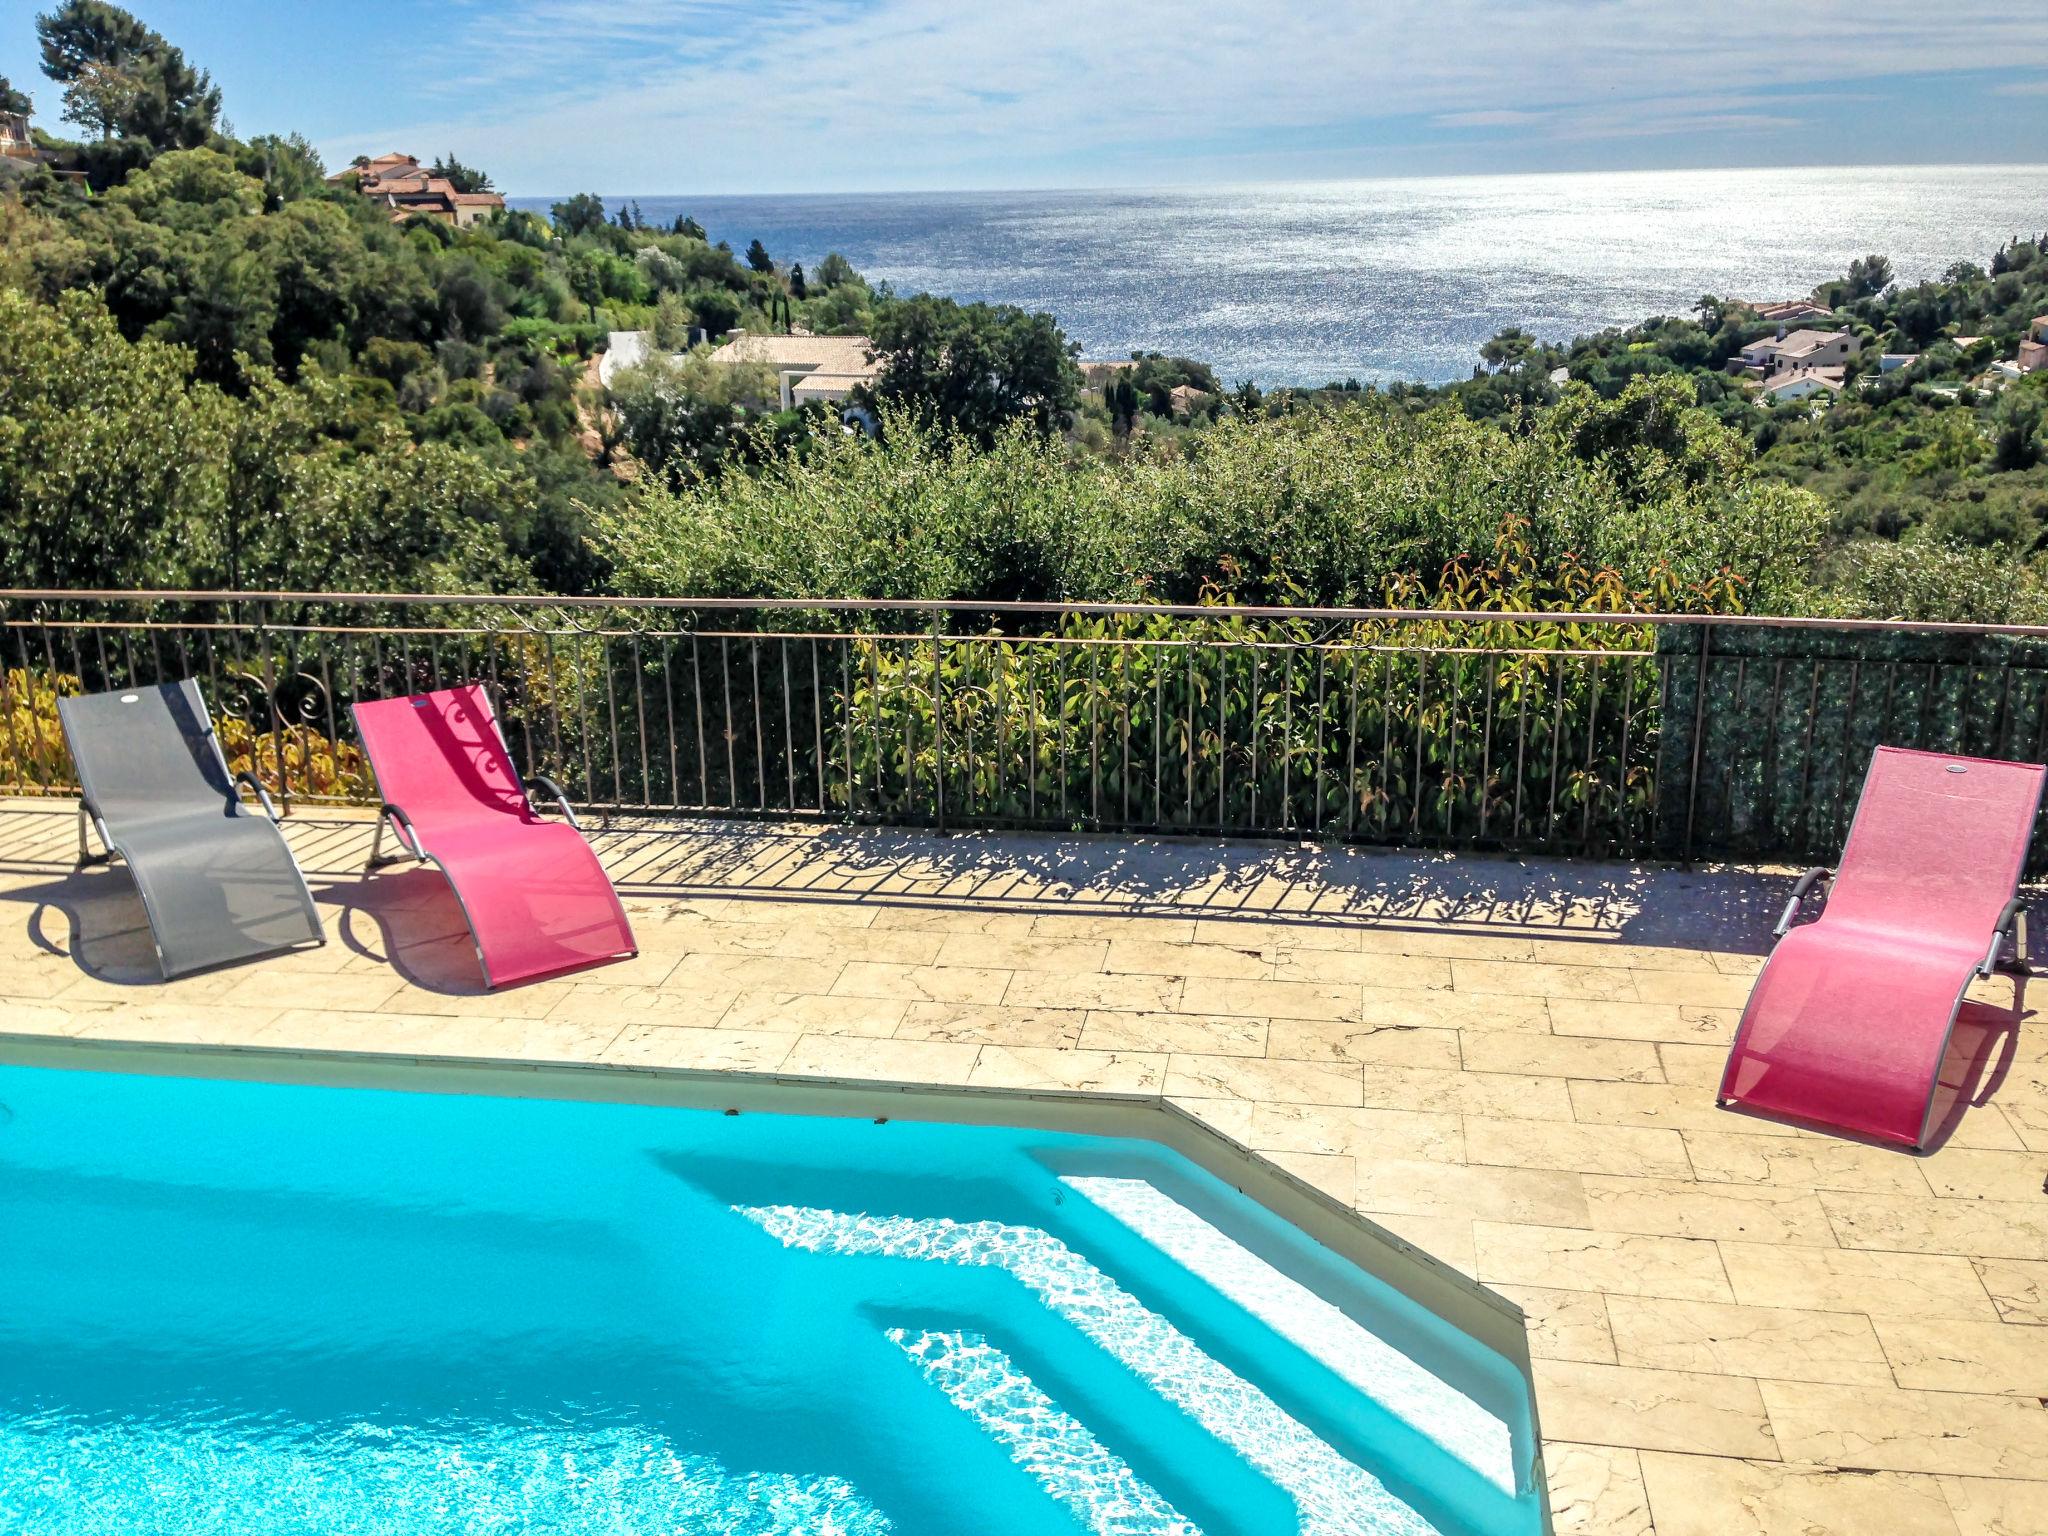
{"points": [[787, 94]]}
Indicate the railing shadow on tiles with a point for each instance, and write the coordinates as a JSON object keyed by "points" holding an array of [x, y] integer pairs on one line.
{"points": [[1598, 734]]}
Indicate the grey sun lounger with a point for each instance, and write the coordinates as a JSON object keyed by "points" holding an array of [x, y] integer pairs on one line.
{"points": [[217, 882]]}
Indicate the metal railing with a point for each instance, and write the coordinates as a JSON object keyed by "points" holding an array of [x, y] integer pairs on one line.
{"points": [[1590, 733]]}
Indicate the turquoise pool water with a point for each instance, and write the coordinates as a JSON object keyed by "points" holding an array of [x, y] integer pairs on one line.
{"points": [[237, 1307]]}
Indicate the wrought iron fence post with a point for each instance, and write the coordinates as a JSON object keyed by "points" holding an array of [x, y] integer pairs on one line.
{"points": [[938, 723], [1699, 731]]}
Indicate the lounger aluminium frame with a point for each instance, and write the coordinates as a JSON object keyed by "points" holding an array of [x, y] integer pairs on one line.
{"points": [[217, 882], [531, 891], [1853, 1016]]}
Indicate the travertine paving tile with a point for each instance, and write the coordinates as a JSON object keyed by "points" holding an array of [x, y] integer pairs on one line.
{"points": [[1835, 1347], [1564, 1325], [2008, 1358], [258, 987], [1803, 1162], [1995, 1507], [599, 1003], [2018, 1287], [530, 1000], [1642, 957], [1365, 1133], [1758, 1213], [1714, 1496], [658, 1045], [1596, 1490], [1365, 968], [1967, 1434], [918, 983], [39, 1016], [1191, 1034], [1445, 943], [1005, 952], [1276, 999], [1123, 993], [1696, 1066], [1622, 1061], [1149, 926], [1574, 1148], [1543, 1197], [894, 1061], [512, 1039], [1998, 1229], [1616, 1263], [1969, 1174], [1156, 957], [1856, 1280], [807, 1013], [1497, 1095], [1263, 1080], [743, 973], [1366, 1044], [1270, 933], [1693, 989], [331, 1029], [1653, 1410], [1618, 1020], [992, 1024], [198, 1024], [1389, 1008], [1604, 983], [1024, 1066]]}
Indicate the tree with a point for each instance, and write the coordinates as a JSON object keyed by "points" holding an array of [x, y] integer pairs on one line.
{"points": [[759, 259], [716, 310], [12, 100], [1710, 310], [125, 80], [464, 178], [1868, 277], [1509, 348], [796, 281], [586, 279], [582, 214], [835, 271], [975, 367], [688, 227]]}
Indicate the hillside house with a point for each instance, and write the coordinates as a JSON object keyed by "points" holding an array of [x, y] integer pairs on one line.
{"points": [[1796, 351], [1788, 311], [409, 190], [1801, 383], [810, 367], [16, 142], [2034, 350]]}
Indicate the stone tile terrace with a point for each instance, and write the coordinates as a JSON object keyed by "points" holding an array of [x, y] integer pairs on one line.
{"points": [[1738, 1327]]}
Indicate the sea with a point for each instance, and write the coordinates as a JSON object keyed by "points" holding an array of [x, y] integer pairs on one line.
{"points": [[1381, 280]]}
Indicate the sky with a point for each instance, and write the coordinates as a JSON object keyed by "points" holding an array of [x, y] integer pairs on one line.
{"points": [[779, 96]]}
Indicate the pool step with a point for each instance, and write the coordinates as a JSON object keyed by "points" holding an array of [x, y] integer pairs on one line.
{"points": [[1334, 1496], [1076, 1469], [1471, 1433]]}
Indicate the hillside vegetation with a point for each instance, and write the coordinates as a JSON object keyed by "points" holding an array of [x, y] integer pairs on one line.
{"points": [[225, 369]]}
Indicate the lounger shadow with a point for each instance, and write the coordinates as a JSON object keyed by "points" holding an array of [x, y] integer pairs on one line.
{"points": [[217, 882]]}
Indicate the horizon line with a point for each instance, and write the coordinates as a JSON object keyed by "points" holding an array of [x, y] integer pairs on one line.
{"points": [[1332, 181]]}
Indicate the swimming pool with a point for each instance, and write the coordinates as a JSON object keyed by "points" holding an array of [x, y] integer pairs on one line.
{"points": [[232, 1306]]}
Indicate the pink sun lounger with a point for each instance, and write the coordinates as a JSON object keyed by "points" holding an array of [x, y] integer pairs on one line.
{"points": [[1852, 1018], [533, 893]]}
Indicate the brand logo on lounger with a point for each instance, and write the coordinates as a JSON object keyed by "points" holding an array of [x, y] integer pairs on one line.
{"points": [[131, 698]]}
